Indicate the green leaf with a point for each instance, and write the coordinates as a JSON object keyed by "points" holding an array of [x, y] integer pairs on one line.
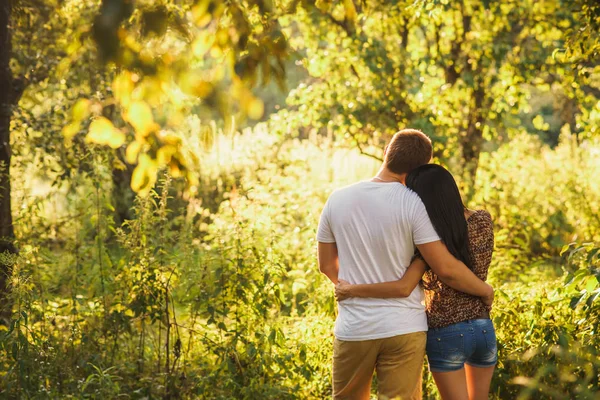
{"points": [[520, 242], [591, 284], [272, 335], [565, 248], [593, 299], [569, 279], [593, 253], [574, 301]]}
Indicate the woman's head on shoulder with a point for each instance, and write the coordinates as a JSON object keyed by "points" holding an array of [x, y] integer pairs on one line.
{"points": [[432, 182], [439, 192]]}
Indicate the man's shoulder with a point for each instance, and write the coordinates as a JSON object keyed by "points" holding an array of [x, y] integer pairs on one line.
{"points": [[407, 198], [344, 190], [395, 198], [411, 196]]}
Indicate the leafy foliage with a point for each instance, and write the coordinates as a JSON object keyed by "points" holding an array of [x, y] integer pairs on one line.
{"points": [[461, 71], [190, 300], [204, 285], [173, 60]]}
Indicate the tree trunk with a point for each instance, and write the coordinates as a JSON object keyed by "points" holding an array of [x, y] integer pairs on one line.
{"points": [[7, 234], [122, 195], [472, 141]]}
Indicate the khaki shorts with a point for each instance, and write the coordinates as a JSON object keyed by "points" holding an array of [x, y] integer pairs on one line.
{"points": [[398, 361]]}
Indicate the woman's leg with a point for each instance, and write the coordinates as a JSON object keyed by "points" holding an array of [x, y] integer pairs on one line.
{"points": [[478, 381], [480, 365], [452, 385], [447, 351]]}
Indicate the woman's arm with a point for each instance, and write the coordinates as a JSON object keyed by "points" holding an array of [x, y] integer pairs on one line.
{"points": [[400, 288], [453, 272]]}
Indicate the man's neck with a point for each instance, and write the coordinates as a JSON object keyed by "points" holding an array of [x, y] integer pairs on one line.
{"points": [[385, 175]]}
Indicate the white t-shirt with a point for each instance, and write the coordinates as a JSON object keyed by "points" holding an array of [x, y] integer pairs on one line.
{"points": [[375, 226]]}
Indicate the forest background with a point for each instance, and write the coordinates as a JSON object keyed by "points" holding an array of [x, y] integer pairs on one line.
{"points": [[163, 165]]}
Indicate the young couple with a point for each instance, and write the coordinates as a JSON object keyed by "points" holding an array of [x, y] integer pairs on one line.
{"points": [[367, 237]]}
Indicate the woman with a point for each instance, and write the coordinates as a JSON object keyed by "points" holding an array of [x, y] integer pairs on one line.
{"points": [[461, 342]]}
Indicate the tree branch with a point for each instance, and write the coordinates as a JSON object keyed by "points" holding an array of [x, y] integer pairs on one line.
{"points": [[361, 150]]}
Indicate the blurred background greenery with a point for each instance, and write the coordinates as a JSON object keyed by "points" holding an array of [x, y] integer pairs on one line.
{"points": [[163, 165]]}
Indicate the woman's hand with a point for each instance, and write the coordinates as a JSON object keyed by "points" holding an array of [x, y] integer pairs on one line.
{"points": [[342, 290], [489, 299]]}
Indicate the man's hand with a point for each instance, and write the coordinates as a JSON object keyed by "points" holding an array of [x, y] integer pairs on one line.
{"points": [[342, 290], [489, 299]]}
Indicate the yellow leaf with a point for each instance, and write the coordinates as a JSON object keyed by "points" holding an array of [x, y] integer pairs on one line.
{"points": [[117, 308], [216, 52], [70, 130], [73, 47], [139, 115], [255, 108], [164, 154], [322, 5], [207, 137], [200, 15], [138, 178], [102, 131], [192, 84], [81, 110], [205, 10], [122, 87], [116, 140], [222, 37], [350, 10], [538, 122], [174, 170], [118, 164], [192, 179], [144, 175], [132, 152], [203, 43], [169, 138]]}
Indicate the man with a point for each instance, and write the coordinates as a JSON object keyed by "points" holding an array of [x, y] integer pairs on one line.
{"points": [[367, 234]]}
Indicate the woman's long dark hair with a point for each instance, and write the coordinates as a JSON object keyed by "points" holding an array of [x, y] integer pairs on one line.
{"points": [[437, 189]]}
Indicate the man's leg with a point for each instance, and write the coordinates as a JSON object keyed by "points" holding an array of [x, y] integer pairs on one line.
{"points": [[400, 366], [353, 366]]}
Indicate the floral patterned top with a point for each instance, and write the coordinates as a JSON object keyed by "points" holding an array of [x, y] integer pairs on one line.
{"points": [[446, 306]]}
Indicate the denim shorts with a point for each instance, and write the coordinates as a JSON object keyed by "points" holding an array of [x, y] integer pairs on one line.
{"points": [[472, 342]]}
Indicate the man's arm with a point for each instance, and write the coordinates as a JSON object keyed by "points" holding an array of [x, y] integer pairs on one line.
{"points": [[329, 261], [453, 272]]}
